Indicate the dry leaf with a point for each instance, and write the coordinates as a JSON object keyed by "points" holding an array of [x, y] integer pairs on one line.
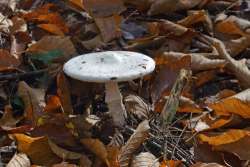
{"points": [[109, 27], [137, 106], [33, 110], [62, 153], [232, 25], [238, 104], [7, 121], [50, 43], [145, 159], [103, 8], [163, 6], [198, 61], [19, 160], [65, 164], [199, 164], [52, 28], [134, 142], [37, 149], [96, 147], [63, 91], [7, 60], [78, 3], [227, 137]]}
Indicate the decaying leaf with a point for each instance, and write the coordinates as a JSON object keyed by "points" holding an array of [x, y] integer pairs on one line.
{"points": [[32, 106], [7, 121], [145, 159], [53, 43], [62, 153], [199, 164], [137, 106], [19, 160], [7, 60], [96, 147], [162, 6], [133, 143], [63, 92], [37, 149]]}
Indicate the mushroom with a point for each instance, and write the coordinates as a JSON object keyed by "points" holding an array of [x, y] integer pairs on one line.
{"points": [[110, 67]]}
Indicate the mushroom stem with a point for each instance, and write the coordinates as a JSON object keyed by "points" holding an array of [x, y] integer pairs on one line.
{"points": [[114, 100]]}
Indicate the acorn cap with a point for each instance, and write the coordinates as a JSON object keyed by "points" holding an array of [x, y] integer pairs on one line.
{"points": [[109, 66]]}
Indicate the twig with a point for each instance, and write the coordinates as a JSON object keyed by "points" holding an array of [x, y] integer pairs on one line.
{"points": [[14, 76]]}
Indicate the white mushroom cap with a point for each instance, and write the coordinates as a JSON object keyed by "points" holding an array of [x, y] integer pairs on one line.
{"points": [[109, 66]]}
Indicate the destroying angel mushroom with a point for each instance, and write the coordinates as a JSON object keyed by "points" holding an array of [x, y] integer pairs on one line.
{"points": [[110, 67]]}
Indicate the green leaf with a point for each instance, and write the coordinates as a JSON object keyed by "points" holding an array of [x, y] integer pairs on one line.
{"points": [[48, 57]]}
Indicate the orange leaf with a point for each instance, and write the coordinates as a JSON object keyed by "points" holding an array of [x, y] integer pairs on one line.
{"points": [[77, 3], [231, 105], [37, 149], [230, 136], [53, 104], [52, 28]]}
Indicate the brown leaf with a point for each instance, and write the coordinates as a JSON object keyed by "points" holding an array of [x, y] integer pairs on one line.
{"points": [[96, 147], [134, 142], [103, 8], [53, 104], [198, 61], [37, 149], [49, 43], [145, 159], [65, 164], [32, 107], [199, 164], [63, 153], [232, 25], [7, 60], [7, 121], [137, 106], [163, 6], [19, 25], [109, 27], [77, 3], [19, 160], [63, 91]]}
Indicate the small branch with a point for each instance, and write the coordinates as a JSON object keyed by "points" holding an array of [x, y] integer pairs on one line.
{"points": [[15, 76]]}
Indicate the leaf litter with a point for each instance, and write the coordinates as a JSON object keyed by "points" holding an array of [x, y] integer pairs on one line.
{"points": [[192, 111]]}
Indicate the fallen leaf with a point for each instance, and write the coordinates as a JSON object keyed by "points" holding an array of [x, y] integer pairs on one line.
{"points": [[44, 15], [33, 110], [232, 25], [65, 164], [137, 106], [19, 160], [227, 137], [134, 142], [96, 147], [170, 163], [7, 121], [50, 43], [7, 60], [162, 6], [198, 61], [63, 153], [52, 28], [238, 104], [109, 27], [103, 8], [37, 149], [63, 91], [199, 164], [53, 104], [78, 3], [145, 159]]}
